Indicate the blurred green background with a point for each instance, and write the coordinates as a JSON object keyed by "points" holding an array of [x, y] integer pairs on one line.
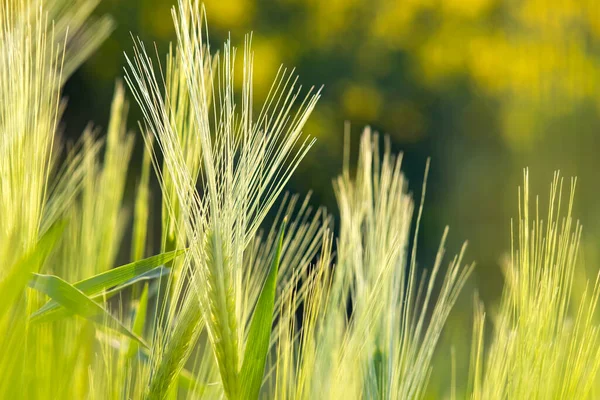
{"points": [[483, 87]]}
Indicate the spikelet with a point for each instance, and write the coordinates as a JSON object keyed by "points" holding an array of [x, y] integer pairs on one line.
{"points": [[30, 77], [369, 327], [543, 345], [296, 344], [244, 162], [388, 344], [41, 42]]}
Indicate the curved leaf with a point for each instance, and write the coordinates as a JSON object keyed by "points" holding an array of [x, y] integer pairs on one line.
{"points": [[78, 303], [124, 275], [58, 312]]}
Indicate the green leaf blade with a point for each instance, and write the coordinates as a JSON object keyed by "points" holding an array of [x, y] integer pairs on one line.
{"points": [[119, 275], [78, 303], [97, 284], [57, 312], [257, 346]]}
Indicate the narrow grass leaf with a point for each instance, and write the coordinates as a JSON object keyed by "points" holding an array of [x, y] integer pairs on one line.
{"points": [[78, 303], [124, 276], [257, 346], [120, 275], [155, 273], [58, 312]]}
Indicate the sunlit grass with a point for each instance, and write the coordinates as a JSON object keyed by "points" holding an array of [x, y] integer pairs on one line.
{"points": [[230, 306], [543, 345]]}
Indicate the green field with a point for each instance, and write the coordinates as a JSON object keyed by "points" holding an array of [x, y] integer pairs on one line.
{"points": [[253, 292]]}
